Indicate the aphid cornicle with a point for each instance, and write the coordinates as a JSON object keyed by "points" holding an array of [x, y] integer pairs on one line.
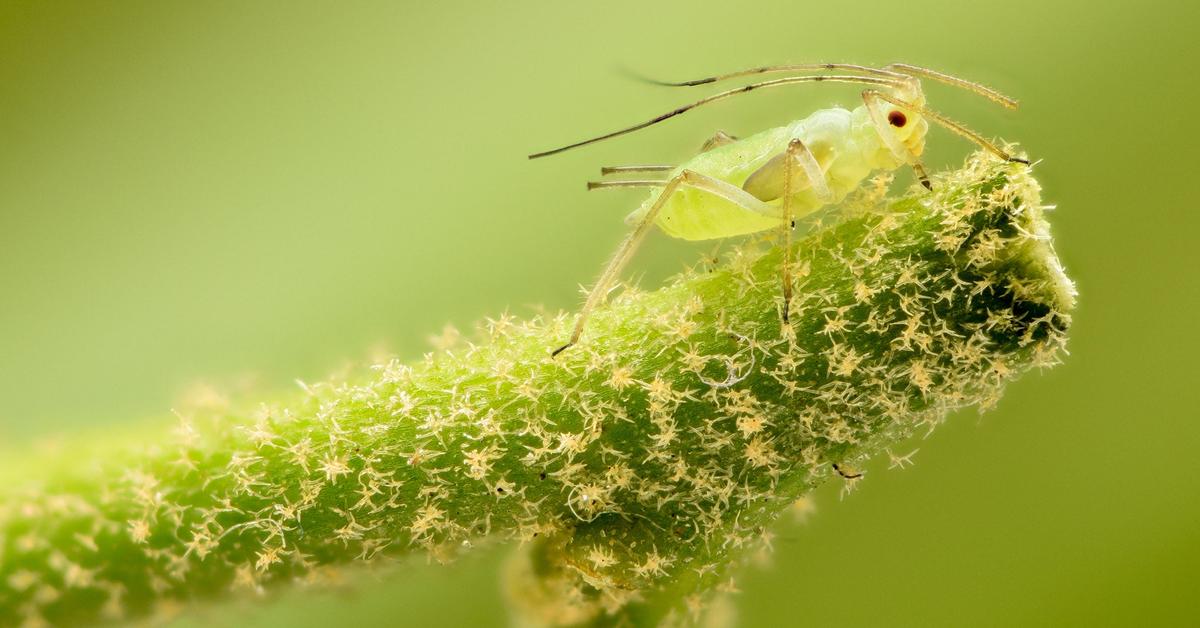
{"points": [[764, 181]]}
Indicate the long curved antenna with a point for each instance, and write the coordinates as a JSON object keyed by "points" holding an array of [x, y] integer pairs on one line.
{"points": [[949, 124], [894, 70], [791, 80], [771, 69], [934, 75]]}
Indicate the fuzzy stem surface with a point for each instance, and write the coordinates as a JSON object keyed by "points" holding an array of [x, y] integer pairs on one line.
{"points": [[637, 470]]}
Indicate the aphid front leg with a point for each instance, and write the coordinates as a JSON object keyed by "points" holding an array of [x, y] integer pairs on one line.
{"points": [[797, 154], [628, 247]]}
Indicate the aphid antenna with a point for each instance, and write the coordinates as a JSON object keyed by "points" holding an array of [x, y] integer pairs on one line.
{"points": [[791, 80], [774, 69], [893, 70]]}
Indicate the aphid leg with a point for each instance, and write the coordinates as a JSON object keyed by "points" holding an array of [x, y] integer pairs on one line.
{"points": [[766, 183], [607, 170], [714, 258], [720, 138], [631, 183], [628, 247], [624, 253], [918, 169], [797, 154], [786, 225]]}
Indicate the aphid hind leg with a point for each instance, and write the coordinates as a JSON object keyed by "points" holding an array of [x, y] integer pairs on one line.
{"points": [[720, 138], [624, 253], [607, 170], [628, 183], [629, 246], [797, 154]]}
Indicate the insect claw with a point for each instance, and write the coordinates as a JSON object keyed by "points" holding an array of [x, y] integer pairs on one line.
{"points": [[560, 349], [1020, 160], [922, 176]]}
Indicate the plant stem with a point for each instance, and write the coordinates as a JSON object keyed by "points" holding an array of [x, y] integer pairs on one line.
{"points": [[638, 467]]}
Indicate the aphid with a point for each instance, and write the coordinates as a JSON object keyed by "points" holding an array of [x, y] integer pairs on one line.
{"points": [[848, 476], [765, 181]]}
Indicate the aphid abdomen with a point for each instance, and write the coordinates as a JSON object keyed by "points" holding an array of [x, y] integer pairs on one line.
{"points": [[695, 215]]}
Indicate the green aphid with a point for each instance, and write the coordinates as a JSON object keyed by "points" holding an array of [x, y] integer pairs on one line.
{"points": [[741, 186]]}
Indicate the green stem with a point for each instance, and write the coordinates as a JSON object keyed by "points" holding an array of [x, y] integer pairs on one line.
{"points": [[639, 467]]}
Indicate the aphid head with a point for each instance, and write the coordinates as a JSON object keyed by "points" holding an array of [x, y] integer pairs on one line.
{"points": [[908, 127]]}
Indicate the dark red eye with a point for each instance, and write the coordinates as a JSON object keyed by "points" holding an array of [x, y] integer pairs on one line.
{"points": [[897, 118]]}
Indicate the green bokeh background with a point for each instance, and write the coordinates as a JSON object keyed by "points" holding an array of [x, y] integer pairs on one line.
{"points": [[196, 191]]}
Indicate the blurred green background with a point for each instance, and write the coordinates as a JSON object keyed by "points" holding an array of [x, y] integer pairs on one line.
{"points": [[196, 191]]}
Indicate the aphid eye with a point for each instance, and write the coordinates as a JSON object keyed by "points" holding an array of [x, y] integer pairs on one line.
{"points": [[897, 119]]}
